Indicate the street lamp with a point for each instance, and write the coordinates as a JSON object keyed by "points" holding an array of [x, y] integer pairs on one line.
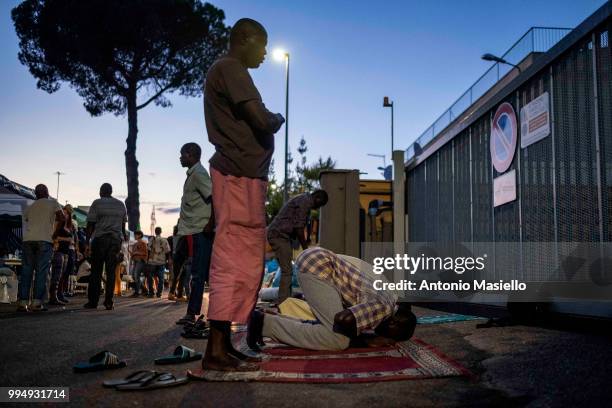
{"points": [[491, 57], [58, 173], [382, 156], [281, 55], [389, 104]]}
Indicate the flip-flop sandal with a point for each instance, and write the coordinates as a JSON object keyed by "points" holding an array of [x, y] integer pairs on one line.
{"points": [[181, 354], [161, 380], [196, 334], [136, 377], [102, 361]]}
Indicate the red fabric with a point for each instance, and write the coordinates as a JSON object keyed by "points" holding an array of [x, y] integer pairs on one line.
{"points": [[410, 360], [238, 251]]}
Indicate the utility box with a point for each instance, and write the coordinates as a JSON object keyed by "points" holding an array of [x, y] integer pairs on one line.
{"points": [[339, 228]]}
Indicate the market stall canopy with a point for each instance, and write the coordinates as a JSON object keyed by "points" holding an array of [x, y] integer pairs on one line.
{"points": [[9, 186], [80, 216], [12, 205]]}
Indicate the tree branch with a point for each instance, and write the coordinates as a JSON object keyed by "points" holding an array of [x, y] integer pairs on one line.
{"points": [[170, 85], [162, 67], [154, 97]]}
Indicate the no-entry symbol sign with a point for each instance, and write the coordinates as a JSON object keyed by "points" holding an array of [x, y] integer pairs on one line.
{"points": [[504, 137]]}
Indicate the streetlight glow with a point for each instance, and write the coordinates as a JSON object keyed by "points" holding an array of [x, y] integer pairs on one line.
{"points": [[280, 54]]}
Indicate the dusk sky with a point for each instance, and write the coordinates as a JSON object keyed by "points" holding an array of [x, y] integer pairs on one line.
{"points": [[345, 56]]}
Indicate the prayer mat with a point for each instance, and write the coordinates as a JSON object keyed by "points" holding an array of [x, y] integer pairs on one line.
{"points": [[449, 318], [409, 360]]}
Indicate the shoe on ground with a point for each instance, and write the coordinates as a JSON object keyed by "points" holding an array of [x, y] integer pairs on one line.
{"points": [[150, 295], [135, 295], [22, 308], [159, 295], [182, 299], [38, 308], [199, 324], [187, 319], [90, 306], [109, 305]]}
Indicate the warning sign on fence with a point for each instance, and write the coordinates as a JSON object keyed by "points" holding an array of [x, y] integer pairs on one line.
{"points": [[535, 120]]}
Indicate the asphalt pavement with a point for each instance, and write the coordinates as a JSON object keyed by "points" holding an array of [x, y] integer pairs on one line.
{"points": [[512, 366]]}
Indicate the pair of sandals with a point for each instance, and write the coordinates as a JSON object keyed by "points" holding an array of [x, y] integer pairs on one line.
{"points": [[196, 330], [142, 379], [145, 380], [106, 360]]}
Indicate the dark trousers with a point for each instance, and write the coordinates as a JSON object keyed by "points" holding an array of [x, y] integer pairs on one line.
{"points": [[180, 257], [200, 266], [58, 269], [63, 285], [104, 252], [156, 271], [138, 270]]}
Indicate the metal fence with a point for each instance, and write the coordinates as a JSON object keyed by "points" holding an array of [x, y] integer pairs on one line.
{"points": [[564, 181], [536, 39]]}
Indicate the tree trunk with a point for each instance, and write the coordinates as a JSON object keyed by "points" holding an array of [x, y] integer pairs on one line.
{"points": [[132, 202]]}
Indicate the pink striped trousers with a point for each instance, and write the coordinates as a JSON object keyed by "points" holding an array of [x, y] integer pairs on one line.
{"points": [[238, 251]]}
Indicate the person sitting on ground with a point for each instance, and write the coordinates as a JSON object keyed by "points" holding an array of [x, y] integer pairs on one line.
{"points": [[340, 292], [287, 225], [139, 255]]}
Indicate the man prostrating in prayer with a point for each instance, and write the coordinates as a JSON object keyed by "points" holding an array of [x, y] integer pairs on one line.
{"points": [[241, 129]]}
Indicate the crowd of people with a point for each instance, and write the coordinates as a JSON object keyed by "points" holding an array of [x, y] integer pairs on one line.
{"points": [[220, 237]]}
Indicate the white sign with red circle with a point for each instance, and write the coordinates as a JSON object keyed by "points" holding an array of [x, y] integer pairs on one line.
{"points": [[504, 136]]}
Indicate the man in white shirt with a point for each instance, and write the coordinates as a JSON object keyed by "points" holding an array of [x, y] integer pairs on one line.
{"points": [[38, 225], [196, 212]]}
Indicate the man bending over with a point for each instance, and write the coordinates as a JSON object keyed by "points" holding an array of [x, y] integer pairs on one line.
{"points": [[340, 292]]}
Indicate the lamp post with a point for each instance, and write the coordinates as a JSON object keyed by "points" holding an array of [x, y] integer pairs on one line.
{"points": [[389, 104], [383, 157], [491, 57], [281, 55], [58, 173]]}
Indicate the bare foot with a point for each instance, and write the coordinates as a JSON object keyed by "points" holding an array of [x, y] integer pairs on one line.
{"points": [[227, 362]]}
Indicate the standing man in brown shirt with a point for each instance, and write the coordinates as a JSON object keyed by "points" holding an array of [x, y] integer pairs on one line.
{"points": [[289, 224], [241, 129]]}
